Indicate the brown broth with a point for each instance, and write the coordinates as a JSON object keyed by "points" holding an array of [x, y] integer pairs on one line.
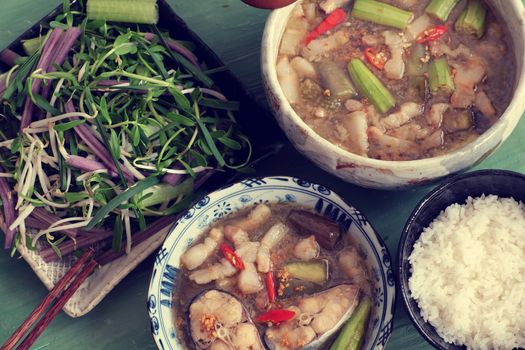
{"points": [[186, 290], [498, 84]]}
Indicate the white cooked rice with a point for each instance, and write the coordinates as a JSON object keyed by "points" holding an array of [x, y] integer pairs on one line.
{"points": [[468, 273]]}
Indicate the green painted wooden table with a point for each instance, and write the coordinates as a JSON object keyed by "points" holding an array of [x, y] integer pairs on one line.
{"points": [[234, 31]]}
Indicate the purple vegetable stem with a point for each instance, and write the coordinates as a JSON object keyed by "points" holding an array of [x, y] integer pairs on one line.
{"points": [[96, 146], [87, 164], [175, 46], [48, 218], [8, 57], [9, 210], [68, 247], [48, 52], [68, 39], [171, 179]]}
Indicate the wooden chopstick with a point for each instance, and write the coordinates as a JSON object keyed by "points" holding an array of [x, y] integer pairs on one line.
{"points": [[63, 290]]}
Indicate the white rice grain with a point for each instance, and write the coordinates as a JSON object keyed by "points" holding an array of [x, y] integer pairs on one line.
{"points": [[468, 273]]}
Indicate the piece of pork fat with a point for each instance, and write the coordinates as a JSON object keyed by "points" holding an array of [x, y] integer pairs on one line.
{"points": [[406, 112], [295, 33], [411, 132], [383, 146], [395, 66], [356, 125], [483, 103], [468, 75], [288, 79], [417, 27], [438, 48], [318, 48], [303, 67], [434, 115], [330, 5]]}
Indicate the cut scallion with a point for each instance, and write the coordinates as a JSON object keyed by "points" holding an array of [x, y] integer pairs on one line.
{"points": [[369, 86], [441, 8], [472, 19], [439, 77], [381, 13], [129, 11]]}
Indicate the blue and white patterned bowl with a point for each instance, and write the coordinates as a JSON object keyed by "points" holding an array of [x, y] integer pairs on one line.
{"points": [[268, 190]]}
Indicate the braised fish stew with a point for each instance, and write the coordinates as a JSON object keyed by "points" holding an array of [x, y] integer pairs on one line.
{"points": [[273, 277], [399, 79]]}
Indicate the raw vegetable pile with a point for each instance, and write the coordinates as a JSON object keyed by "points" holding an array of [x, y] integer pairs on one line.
{"points": [[108, 129]]}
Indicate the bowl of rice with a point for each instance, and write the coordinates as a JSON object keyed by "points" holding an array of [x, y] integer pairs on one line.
{"points": [[461, 262]]}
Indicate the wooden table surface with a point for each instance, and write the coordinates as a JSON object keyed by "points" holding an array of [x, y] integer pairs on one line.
{"points": [[233, 30]]}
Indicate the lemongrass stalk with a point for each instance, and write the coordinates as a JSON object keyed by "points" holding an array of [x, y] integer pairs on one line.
{"points": [[129, 11], [472, 19], [381, 13], [441, 9], [369, 86]]}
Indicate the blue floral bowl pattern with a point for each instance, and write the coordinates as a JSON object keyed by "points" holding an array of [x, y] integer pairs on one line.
{"points": [[248, 193]]}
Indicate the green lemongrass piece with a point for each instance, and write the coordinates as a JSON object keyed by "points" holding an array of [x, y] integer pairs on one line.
{"points": [[415, 65], [132, 191], [31, 46], [472, 19], [129, 11], [369, 86], [164, 193], [439, 77], [381, 13], [441, 9], [352, 336]]}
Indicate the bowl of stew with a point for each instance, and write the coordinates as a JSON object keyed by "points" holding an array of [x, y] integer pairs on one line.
{"points": [[387, 95], [272, 263]]}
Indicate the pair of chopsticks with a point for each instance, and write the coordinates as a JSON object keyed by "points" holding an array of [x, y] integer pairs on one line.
{"points": [[52, 303]]}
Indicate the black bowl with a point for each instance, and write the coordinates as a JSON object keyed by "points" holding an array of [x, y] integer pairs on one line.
{"points": [[498, 182]]}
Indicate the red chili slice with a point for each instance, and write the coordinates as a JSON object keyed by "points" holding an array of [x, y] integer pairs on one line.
{"points": [[431, 34], [275, 316], [233, 258], [376, 59], [334, 18]]}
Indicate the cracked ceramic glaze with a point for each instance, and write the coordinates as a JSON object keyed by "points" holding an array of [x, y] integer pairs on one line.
{"points": [[382, 174]]}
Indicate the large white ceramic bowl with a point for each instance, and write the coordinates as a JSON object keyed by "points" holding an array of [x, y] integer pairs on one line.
{"points": [[390, 174], [248, 193]]}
